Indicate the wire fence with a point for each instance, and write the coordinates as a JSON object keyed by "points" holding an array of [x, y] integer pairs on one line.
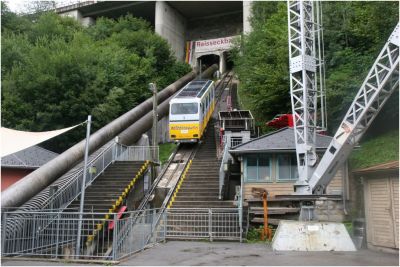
{"points": [[204, 223], [62, 197], [54, 235], [104, 236]]}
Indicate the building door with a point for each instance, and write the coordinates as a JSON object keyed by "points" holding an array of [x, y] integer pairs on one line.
{"points": [[382, 211]]}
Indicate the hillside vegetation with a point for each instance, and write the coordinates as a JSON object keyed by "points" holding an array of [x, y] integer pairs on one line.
{"points": [[354, 34], [55, 72], [381, 149]]}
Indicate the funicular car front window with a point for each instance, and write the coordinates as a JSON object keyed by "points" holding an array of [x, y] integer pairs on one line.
{"points": [[184, 108]]}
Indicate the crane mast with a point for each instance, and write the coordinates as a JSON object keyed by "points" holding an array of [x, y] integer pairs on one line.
{"points": [[305, 55], [305, 40], [303, 88]]}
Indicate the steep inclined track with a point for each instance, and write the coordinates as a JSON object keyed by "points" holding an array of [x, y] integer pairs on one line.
{"points": [[200, 187]]}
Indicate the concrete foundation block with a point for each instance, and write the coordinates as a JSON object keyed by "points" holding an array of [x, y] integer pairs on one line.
{"points": [[311, 236]]}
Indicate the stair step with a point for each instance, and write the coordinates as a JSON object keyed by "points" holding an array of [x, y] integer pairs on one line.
{"points": [[196, 187], [197, 194], [202, 204], [198, 190], [201, 178], [196, 198]]}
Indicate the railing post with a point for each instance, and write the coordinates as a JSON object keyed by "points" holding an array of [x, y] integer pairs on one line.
{"points": [[115, 241], [3, 233], [210, 224], [165, 215], [57, 234], [33, 233], [104, 155], [241, 223]]}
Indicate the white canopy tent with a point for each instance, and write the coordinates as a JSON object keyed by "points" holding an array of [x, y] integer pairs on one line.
{"points": [[13, 141]]}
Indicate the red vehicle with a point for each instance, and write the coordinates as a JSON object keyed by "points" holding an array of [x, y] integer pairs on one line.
{"points": [[281, 121]]}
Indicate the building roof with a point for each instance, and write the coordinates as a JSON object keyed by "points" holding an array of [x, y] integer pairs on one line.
{"points": [[29, 158], [388, 166], [278, 141]]}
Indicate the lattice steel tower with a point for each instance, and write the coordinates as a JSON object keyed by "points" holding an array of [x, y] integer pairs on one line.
{"points": [[303, 87]]}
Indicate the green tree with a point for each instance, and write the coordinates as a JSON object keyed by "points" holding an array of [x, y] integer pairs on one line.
{"points": [[56, 72], [354, 33], [262, 65]]}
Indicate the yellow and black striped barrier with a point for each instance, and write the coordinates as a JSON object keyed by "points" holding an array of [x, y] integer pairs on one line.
{"points": [[117, 203], [171, 201]]}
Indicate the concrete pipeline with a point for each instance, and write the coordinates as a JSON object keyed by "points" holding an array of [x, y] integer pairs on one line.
{"points": [[33, 183]]}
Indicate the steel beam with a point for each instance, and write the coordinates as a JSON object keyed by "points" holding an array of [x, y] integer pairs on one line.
{"points": [[381, 81]]}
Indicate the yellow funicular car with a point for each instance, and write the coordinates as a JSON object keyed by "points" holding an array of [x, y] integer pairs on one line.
{"points": [[190, 110]]}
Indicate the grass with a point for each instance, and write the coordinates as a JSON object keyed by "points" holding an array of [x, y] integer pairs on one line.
{"points": [[381, 149], [254, 235], [349, 227], [166, 150]]}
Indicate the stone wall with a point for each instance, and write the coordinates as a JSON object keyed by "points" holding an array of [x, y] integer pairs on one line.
{"points": [[329, 210]]}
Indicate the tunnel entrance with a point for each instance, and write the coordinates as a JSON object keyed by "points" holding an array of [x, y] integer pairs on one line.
{"points": [[228, 60], [208, 60]]}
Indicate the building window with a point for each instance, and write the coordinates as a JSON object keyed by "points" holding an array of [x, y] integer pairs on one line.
{"points": [[236, 140], [287, 167], [258, 168]]}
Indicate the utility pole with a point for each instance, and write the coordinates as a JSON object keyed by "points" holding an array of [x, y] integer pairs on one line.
{"points": [[153, 89], [78, 241]]}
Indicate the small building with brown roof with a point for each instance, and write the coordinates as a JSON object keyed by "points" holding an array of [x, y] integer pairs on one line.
{"points": [[381, 205]]}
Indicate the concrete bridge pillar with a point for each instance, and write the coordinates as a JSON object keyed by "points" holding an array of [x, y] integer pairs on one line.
{"points": [[76, 14], [247, 13], [171, 26]]}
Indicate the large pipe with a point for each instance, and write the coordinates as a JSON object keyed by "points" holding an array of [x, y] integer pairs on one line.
{"points": [[133, 133], [20, 192]]}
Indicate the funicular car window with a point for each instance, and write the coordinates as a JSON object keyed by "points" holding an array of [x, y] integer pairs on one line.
{"points": [[184, 108]]}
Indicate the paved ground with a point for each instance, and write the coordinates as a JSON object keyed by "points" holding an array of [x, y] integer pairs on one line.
{"points": [[226, 253]]}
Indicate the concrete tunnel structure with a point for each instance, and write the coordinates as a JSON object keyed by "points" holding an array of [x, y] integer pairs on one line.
{"points": [[196, 30]]}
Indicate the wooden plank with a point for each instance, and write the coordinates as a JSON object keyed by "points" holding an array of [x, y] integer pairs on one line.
{"points": [[271, 188], [395, 207], [336, 184], [281, 198], [273, 210]]}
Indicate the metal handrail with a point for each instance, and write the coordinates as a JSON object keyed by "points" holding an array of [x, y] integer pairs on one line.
{"points": [[224, 160], [73, 183], [129, 153], [143, 203]]}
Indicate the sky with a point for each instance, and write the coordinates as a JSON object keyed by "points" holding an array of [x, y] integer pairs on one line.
{"points": [[16, 6], [19, 6]]}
